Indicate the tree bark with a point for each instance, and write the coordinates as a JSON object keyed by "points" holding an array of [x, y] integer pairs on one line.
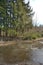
{"points": [[0, 31]]}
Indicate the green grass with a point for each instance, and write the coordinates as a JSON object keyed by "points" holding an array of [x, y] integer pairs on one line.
{"points": [[30, 36]]}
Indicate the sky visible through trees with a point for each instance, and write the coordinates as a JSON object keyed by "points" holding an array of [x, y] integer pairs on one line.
{"points": [[37, 6]]}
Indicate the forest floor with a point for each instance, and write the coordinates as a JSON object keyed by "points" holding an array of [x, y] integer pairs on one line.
{"points": [[5, 43], [19, 49]]}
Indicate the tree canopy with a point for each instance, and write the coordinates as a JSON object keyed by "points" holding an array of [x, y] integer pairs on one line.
{"points": [[15, 16]]}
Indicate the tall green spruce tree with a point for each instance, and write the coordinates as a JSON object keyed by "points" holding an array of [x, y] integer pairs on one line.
{"points": [[16, 15]]}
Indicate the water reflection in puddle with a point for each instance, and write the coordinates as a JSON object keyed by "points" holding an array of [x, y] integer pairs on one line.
{"points": [[37, 55]]}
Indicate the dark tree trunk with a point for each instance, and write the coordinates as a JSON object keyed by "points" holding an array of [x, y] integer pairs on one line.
{"points": [[0, 31], [6, 33]]}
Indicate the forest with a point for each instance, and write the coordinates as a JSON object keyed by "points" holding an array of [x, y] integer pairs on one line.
{"points": [[16, 20], [21, 43]]}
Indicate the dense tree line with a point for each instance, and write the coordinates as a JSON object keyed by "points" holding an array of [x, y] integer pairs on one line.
{"points": [[15, 17]]}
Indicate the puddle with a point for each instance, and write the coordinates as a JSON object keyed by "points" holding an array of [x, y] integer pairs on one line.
{"points": [[21, 53], [37, 55]]}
